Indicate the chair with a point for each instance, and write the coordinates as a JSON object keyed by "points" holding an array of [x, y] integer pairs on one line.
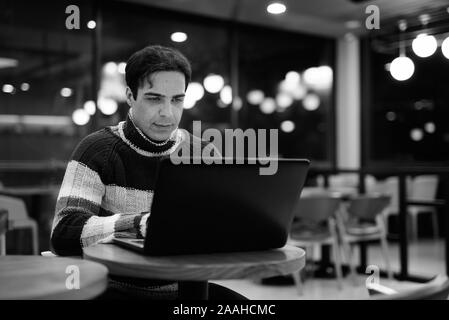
{"points": [[315, 225], [362, 219], [344, 182], [19, 218], [423, 188], [437, 289], [390, 187], [3, 229], [348, 183]]}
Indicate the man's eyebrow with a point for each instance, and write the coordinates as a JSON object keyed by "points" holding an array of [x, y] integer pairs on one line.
{"points": [[153, 94], [161, 95]]}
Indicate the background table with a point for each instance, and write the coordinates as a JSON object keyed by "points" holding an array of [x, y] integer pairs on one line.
{"points": [[35, 277], [29, 190], [194, 271]]}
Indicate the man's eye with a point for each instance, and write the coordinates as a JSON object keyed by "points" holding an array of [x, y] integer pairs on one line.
{"points": [[178, 100], [155, 99]]}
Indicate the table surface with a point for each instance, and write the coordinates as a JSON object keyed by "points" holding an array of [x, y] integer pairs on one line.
{"points": [[29, 191], [36, 277], [238, 265]]}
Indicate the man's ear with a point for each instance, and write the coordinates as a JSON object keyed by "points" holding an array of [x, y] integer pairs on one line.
{"points": [[129, 97]]}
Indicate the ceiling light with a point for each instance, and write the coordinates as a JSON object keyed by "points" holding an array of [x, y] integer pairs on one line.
{"points": [[25, 86], [213, 83], [276, 8], [402, 68], [416, 134], [226, 94], [189, 102], [195, 91], [429, 127], [8, 88], [391, 116], [66, 92], [80, 117], [445, 48], [237, 103], [107, 106], [283, 100], [255, 97], [178, 37], [319, 78], [121, 67], [287, 126], [91, 24], [110, 68], [90, 107], [268, 106], [424, 45], [311, 102], [292, 77], [8, 63]]}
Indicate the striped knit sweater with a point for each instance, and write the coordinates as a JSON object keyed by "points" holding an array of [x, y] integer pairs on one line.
{"points": [[108, 186]]}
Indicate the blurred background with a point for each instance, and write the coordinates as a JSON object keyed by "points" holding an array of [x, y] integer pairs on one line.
{"points": [[315, 70]]}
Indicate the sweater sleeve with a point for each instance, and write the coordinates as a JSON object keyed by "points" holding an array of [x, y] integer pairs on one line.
{"points": [[79, 219]]}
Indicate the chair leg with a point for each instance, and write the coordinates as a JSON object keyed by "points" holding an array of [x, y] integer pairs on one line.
{"points": [[350, 260], [336, 252], [35, 239], [298, 282], [414, 227], [436, 233], [2, 245], [385, 252], [337, 260], [312, 253]]}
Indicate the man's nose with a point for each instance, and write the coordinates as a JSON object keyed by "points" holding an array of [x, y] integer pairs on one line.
{"points": [[166, 109]]}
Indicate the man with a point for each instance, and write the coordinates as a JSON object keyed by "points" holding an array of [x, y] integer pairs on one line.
{"points": [[109, 182]]}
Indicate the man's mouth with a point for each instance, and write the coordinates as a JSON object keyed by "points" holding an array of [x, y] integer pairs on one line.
{"points": [[163, 125]]}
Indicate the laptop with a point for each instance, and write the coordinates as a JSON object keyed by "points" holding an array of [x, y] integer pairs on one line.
{"points": [[214, 208]]}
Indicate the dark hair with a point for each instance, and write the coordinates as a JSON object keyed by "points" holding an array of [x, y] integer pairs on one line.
{"points": [[153, 59]]}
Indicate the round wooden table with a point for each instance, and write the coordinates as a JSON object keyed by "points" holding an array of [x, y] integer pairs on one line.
{"points": [[193, 271], [36, 277]]}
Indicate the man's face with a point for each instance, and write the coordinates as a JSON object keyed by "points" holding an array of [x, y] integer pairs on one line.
{"points": [[158, 106]]}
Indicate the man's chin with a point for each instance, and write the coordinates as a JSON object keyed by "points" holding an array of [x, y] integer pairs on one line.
{"points": [[160, 136]]}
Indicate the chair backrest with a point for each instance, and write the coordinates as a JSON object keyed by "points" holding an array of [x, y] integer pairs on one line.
{"points": [[317, 208], [370, 182], [15, 206], [424, 187], [391, 187], [343, 180], [432, 291], [368, 206]]}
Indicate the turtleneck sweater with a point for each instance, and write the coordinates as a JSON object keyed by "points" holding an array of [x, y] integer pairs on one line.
{"points": [[108, 186]]}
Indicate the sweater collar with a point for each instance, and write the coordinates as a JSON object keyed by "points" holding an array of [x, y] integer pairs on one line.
{"points": [[143, 142]]}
